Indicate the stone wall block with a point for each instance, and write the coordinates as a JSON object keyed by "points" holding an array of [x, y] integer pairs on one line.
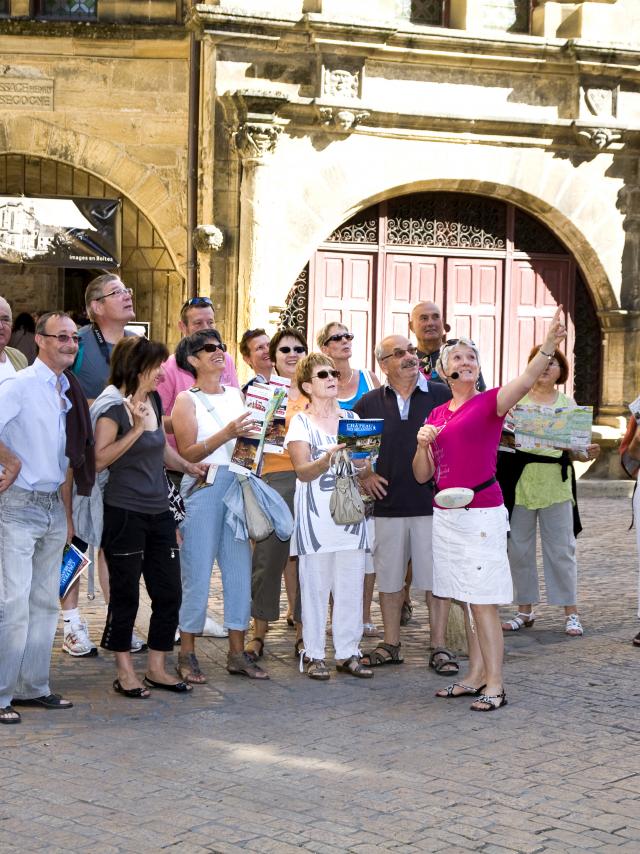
{"points": [[99, 156], [128, 76], [126, 172], [66, 145]]}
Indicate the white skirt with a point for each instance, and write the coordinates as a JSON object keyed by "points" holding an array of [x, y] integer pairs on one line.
{"points": [[470, 555]]}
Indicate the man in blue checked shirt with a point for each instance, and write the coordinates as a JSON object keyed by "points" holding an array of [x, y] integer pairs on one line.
{"points": [[35, 508]]}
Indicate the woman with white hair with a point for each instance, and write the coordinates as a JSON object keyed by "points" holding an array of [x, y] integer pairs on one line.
{"points": [[457, 447]]}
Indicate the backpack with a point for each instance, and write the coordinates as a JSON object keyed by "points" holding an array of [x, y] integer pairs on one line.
{"points": [[630, 464]]}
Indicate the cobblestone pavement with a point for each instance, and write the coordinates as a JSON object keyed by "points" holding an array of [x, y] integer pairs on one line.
{"points": [[351, 765]]}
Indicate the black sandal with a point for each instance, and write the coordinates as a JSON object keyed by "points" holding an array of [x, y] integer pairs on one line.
{"points": [[490, 701], [378, 659], [467, 691], [135, 693], [8, 715], [354, 668], [448, 667]]}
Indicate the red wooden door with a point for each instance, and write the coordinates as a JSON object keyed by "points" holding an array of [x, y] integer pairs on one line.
{"points": [[537, 288], [343, 290], [474, 308], [409, 279]]}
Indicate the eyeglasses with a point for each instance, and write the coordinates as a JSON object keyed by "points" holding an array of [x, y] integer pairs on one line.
{"points": [[119, 292], [211, 347], [339, 336], [298, 349], [324, 375], [399, 352], [197, 301], [6, 321], [62, 337]]}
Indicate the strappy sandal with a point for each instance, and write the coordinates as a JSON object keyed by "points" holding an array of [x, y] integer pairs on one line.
{"points": [[252, 653], [444, 662], [467, 691], [297, 649], [240, 664], [379, 659], [354, 668], [188, 669], [573, 626], [317, 669], [493, 702], [519, 621], [8, 715]]}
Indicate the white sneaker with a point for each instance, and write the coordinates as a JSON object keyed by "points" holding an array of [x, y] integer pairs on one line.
{"points": [[213, 629], [77, 641], [137, 644]]}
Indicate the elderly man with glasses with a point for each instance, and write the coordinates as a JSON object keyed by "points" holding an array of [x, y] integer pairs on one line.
{"points": [[34, 516], [403, 508]]}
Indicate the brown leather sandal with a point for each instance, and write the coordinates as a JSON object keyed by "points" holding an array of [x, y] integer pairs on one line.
{"points": [[188, 669], [241, 664]]}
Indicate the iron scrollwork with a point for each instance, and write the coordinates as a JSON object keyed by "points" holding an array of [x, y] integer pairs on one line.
{"points": [[296, 308]]}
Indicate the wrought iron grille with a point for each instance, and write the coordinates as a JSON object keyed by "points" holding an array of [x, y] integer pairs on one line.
{"points": [[297, 304], [447, 220], [587, 349], [530, 235], [429, 12], [361, 228], [66, 10]]}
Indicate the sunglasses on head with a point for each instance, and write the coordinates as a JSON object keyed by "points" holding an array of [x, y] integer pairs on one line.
{"points": [[211, 347], [197, 302], [399, 352], [324, 375], [451, 342], [339, 336], [297, 349]]}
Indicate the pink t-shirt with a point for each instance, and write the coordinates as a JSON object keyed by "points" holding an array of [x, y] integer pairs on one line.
{"points": [[176, 380], [466, 449]]}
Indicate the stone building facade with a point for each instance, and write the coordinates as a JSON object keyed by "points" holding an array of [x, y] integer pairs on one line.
{"points": [[360, 155]]}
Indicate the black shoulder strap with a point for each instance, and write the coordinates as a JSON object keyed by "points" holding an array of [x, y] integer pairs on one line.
{"points": [[102, 344]]}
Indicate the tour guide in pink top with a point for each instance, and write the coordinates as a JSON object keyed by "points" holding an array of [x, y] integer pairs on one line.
{"points": [[457, 447]]}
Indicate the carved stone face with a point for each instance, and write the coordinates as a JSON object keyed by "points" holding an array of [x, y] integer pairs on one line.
{"points": [[207, 238], [344, 119]]}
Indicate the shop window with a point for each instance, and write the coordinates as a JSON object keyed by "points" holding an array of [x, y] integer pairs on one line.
{"points": [[66, 10]]}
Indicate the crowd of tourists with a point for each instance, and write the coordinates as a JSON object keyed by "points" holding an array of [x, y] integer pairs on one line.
{"points": [[108, 441]]}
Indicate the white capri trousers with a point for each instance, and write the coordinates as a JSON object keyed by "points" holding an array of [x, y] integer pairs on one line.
{"points": [[342, 574], [558, 554]]}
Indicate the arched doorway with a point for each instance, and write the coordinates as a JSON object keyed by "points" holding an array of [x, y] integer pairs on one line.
{"points": [[497, 272], [146, 264]]}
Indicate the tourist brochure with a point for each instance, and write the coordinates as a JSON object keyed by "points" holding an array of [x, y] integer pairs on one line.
{"points": [[362, 438], [276, 429], [74, 562], [634, 407], [565, 428], [263, 401]]}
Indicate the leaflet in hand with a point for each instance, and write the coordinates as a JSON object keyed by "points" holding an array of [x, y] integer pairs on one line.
{"points": [[362, 438], [565, 428], [74, 562], [263, 401], [276, 429]]}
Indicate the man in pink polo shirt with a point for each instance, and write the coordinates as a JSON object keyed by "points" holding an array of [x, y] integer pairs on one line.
{"points": [[196, 314]]}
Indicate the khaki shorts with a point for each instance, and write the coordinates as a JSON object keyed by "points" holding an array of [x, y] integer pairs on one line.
{"points": [[397, 540]]}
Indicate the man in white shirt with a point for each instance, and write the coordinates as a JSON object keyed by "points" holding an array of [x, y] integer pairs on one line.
{"points": [[35, 513], [11, 360]]}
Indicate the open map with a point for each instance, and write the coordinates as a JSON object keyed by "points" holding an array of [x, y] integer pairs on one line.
{"points": [[553, 427]]}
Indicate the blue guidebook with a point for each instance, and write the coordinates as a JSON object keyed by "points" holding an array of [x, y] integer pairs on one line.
{"points": [[74, 562], [362, 438]]}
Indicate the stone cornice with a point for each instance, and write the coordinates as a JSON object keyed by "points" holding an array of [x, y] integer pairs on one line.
{"points": [[398, 40], [91, 30]]}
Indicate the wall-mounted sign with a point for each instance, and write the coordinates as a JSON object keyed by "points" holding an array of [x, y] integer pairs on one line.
{"points": [[60, 232], [26, 93]]}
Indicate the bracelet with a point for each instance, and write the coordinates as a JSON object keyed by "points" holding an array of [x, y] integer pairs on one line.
{"points": [[548, 355], [204, 442]]}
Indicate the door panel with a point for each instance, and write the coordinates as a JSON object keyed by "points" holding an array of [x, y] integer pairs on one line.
{"points": [[537, 288], [408, 279], [342, 286], [474, 308]]}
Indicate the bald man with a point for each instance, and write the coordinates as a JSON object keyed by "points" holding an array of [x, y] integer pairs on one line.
{"points": [[11, 360]]}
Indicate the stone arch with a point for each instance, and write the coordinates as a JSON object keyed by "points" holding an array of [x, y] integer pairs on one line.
{"points": [[577, 203], [35, 137]]}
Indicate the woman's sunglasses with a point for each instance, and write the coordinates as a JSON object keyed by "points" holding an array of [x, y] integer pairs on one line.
{"points": [[211, 347], [324, 375], [298, 349], [339, 336]]}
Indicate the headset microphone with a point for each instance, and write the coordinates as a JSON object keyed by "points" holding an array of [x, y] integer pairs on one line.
{"points": [[454, 376]]}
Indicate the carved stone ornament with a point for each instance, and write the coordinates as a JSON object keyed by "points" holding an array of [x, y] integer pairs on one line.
{"points": [[255, 141], [600, 100], [342, 120], [207, 238], [340, 83], [596, 138]]}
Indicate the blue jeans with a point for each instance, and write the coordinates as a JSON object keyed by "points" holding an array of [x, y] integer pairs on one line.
{"points": [[207, 537], [33, 530]]}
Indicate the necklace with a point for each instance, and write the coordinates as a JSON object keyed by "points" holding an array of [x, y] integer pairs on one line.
{"points": [[345, 383]]}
